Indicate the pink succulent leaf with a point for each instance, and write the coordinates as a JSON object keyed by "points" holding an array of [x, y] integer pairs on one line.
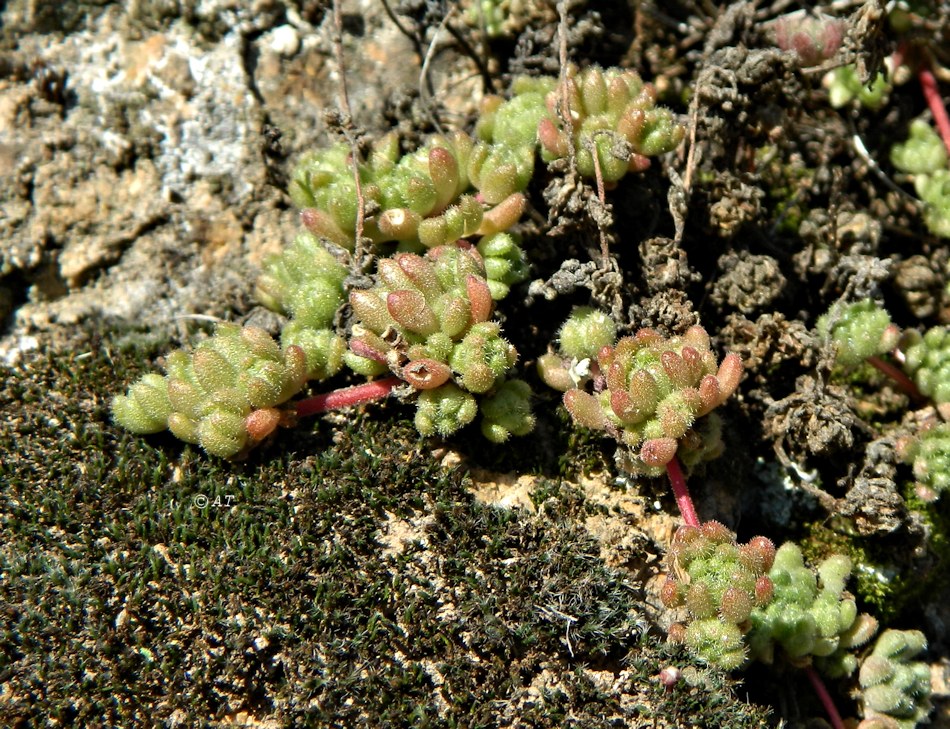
{"points": [[658, 451], [729, 375], [585, 409], [261, 423], [479, 295], [410, 310]]}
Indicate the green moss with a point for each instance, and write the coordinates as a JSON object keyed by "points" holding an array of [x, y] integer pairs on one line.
{"points": [[885, 586]]}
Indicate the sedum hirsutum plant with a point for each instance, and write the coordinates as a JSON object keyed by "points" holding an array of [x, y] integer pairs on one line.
{"points": [[421, 199], [929, 454], [924, 156], [427, 321], [503, 160], [505, 262], [719, 582], [858, 330], [438, 224], [814, 37], [224, 396], [895, 690], [844, 86], [306, 282], [863, 330], [615, 128], [747, 601], [648, 391], [811, 616], [927, 361], [615, 123]]}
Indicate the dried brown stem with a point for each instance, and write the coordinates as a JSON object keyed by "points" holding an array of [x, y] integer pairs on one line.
{"points": [[346, 124]]}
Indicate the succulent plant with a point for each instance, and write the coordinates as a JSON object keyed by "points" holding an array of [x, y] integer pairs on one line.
{"points": [[428, 321], [923, 153], [585, 333], [502, 161], [505, 262], [927, 361], [501, 18], [614, 117], [490, 15], [304, 281], [810, 616], [859, 330], [324, 348], [894, 688], [444, 410], [507, 411], [421, 199], [813, 37], [420, 309], [720, 583], [649, 391], [223, 396], [925, 157], [929, 453], [844, 86], [745, 600], [934, 190]]}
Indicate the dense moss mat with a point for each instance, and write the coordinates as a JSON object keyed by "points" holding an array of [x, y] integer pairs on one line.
{"points": [[339, 578]]}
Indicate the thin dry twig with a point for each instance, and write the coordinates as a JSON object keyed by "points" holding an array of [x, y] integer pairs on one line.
{"points": [[564, 108], [425, 83], [488, 83], [346, 125], [598, 176]]}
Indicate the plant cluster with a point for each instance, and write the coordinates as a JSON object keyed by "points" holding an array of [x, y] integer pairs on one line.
{"points": [[490, 15], [928, 452], [745, 601], [720, 583], [427, 321], [814, 38], [425, 318], [924, 156], [648, 390], [223, 396], [858, 330], [305, 283], [863, 330], [844, 86], [418, 200], [615, 123], [895, 691], [927, 360], [811, 617]]}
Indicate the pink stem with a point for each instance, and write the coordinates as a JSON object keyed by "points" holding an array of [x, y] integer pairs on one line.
{"points": [[681, 492], [900, 379], [824, 697], [375, 390], [928, 84]]}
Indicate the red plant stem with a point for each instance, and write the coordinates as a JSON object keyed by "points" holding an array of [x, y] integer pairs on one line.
{"points": [[375, 390], [681, 492], [900, 379], [928, 84], [824, 697]]}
